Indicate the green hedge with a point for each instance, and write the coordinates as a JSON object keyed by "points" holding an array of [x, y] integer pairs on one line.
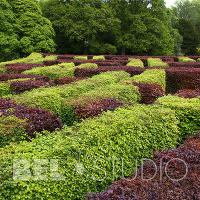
{"points": [[135, 62], [5, 89], [185, 59], [55, 71], [88, 65], [36, 58], [152, 76], [98, 58], [187, 111], [11, 130], [156, 62], [80, 58], [86, 153]]}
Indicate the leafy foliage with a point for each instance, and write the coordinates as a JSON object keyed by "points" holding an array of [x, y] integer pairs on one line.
{"points": [[174, 168]]}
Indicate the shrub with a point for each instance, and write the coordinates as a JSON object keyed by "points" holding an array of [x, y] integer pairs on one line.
{"points": [[156, 62], [89, 150], [6, 77], [149, 92], [56, 71], [52, 57], [88, 66], [98, 58], [188, 93], [80, 58], [5, 89], [95, 108], [3, 70], [137, 188], [36, 58], [36, 118], [11, 129], [18, 68], [62, 81], [152, 76], [186, 64], [22, 86], [135, 62], [185, 59], [91, 72], [182, 78], [187, 111]]}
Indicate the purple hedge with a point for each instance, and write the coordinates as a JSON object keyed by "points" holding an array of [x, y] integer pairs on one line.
{"points": [[18, 68], [149, 92], [22, 86], [38, 119], [6, 77], [95, 108]]}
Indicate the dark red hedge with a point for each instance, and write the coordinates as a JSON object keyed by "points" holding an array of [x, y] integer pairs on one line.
{"points": [[22, 86], [18, 68], [185, 64], [82, 72], [38, 119], [6, 77], [188, 93], [95, 108], [149, 92], [182, 78], [161, 186]]}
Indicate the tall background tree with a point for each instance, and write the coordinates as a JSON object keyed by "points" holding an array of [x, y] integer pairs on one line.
{"points": [[9, 44], [35, 31]]}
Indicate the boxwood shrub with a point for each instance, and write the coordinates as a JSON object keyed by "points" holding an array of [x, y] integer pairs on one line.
{"points": [[11, 129], [186, 59], [88, 65], [90, 155], [135, 62], [80, 58], [156, 62], [5, 89], [152, 76], [98, 58], [187, 111], [55, 71]]}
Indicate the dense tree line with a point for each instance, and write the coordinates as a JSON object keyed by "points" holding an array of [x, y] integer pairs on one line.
{"points": [[138, 27]]}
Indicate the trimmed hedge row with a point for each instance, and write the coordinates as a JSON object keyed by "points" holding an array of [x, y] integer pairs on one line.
{"points": [[91, 72], [62, 81], [188, 93], [156, 62], [149, 92], [136, 188], [152, 76], [18, 68], [11, 130], [62, 70], [135, 62], [37, 119], [6, 77], [36, 58], [185, 64], [98, 58], [86, 155], [182, 78], [187, 111], [186, 59]]}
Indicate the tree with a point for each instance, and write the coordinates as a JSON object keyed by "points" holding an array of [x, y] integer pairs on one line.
{"points": [[8, 38], [35, 32], [190, 37]]}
